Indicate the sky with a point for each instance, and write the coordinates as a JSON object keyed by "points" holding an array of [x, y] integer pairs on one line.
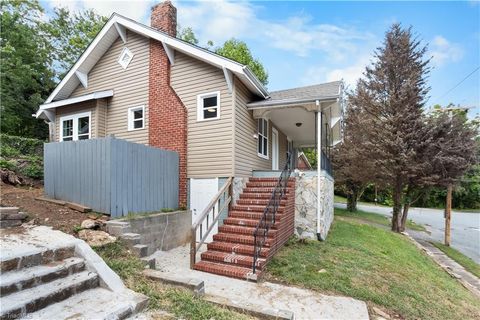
{"points": [[303, 43]]}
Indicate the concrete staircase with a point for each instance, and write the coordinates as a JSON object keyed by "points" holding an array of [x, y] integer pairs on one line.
{"points": [[231, 252], [53, 282]]}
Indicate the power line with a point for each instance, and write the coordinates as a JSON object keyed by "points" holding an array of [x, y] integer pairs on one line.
{"points": [[459, 83]]}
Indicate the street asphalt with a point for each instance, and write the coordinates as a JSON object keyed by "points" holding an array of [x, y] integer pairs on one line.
{"points": [[465, 230]]}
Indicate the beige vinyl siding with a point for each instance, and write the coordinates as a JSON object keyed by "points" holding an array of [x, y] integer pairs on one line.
{"points": [[87, 106], [246, 155], [101, 118], [209, 143], [130, 86]]}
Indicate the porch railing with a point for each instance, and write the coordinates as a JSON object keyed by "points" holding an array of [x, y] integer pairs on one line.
{"points": [[268, 218], [210, 216], [326, 163]]}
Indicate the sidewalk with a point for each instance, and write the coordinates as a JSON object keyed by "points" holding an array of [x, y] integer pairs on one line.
{"points": [[304, 304]]}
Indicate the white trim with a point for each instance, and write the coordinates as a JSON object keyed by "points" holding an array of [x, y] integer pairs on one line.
{"points": [[122, 32], [229, 78], [170, 52], [75, 118], [261, 136], [277, 149], [83, 78], [319, 164], [200, 110], [176, 44], [60, 103], [131, 120], [120, 61]]}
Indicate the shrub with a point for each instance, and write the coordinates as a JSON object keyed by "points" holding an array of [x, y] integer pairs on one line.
{"points": [[33, 170], [5, 164], [21, 146]]}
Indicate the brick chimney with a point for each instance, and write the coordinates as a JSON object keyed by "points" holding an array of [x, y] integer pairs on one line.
{"points": [[164, 18], [167, 114]]}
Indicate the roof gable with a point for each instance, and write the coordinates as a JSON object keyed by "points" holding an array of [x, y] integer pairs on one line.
{"points": [[115, 28]]}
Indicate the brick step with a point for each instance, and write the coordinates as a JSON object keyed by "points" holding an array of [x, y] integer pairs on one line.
{"points": [[252, 215], [232, 259], [30, 300], [225, 270], [236, 248], [252, 223], [15, 281], [264, 184], [239, 239], [267, 179], [258, 202], [252, 195], [42, 256], [254, 208], [267, 190], [243, 230]]}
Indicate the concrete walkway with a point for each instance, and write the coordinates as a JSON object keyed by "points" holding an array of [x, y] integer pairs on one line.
{"points": [[305, 304]]}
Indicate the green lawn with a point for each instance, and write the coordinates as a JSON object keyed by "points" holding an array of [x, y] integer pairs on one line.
{"points": [[470, 265], [179, 302], [375, 218], [378, 266]]}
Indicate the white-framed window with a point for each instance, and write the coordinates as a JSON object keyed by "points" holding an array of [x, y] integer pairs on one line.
{"points": [[125, 57], [262, 144], [136, 118], [75, 127], [208, 106]]}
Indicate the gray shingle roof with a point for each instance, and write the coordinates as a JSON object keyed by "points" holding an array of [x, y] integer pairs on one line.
{"points": [[301, 94]]}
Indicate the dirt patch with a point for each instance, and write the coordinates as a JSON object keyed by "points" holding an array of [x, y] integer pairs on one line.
{"points": [[42, 212]]}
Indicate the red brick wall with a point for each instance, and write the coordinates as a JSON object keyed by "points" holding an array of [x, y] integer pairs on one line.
{"points": [[167, 114]]}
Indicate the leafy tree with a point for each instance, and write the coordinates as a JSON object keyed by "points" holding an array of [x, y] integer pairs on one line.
{"points": [[187, 34], [70, 34], [25, 68], [238, 50]]}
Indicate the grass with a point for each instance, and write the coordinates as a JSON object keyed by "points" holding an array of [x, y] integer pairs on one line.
{"points": [[179, 302], [378, 266], [469, 265], [375, 218]]}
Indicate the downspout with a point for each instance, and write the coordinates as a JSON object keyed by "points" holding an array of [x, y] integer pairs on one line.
{"points": [[318, 127]]}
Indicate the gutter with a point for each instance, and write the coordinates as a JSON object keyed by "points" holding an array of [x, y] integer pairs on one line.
{"points": [[262, 104], [254, 80]]}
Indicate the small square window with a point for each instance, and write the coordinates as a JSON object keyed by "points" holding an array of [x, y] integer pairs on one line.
{"points": [[125, 58], [136, 118], [208, 106]]}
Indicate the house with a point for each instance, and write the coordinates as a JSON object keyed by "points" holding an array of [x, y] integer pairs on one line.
{"points": [[144, 85]]}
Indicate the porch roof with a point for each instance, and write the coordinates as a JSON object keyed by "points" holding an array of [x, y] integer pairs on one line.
{"points": [[320, 92]]}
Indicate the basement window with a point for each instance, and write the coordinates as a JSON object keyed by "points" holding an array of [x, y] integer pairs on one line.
{"points": [[136, 118], [262, 145], [208, 106], [125, 57]]}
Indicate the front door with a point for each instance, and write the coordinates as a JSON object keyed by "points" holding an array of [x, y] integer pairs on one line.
{"points": [[274, 149], [202, 192]]}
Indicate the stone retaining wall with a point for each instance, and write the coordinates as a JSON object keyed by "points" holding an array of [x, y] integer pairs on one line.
{"points": [[306, 204], [160, 231]]}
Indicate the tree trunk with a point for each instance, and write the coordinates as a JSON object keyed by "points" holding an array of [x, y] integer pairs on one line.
{"points": [[397, 205], [403, 221], [352, 201]]}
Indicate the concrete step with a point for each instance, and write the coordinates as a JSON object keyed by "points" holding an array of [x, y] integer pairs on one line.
{"points": [[243, 230], [95, 303], [36, 298], [254, 208], [227, 270], [236, 248], [232, 259], [237, 238], [15, 281], [34, 258]]}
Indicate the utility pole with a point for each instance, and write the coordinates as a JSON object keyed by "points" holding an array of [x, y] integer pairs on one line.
{"points": [[448, 214]]}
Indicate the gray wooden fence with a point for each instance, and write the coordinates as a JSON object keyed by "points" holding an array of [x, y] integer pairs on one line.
{"points": [[111, 175]]}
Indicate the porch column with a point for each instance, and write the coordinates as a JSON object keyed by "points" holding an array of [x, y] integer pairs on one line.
{"points": [[318, 127]]}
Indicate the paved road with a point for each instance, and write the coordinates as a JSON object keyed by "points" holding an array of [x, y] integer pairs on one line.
{"points": [[465, 226]]}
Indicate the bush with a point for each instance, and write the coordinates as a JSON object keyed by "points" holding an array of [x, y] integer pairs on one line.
{"points": [[12, 146], [5, 164], [33, 170]]}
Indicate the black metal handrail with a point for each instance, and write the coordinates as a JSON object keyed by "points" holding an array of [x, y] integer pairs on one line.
{"points": [[268, 218]]}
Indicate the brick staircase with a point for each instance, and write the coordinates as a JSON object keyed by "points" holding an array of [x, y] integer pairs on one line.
{"points": [[231, 253], [50, 281]]}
